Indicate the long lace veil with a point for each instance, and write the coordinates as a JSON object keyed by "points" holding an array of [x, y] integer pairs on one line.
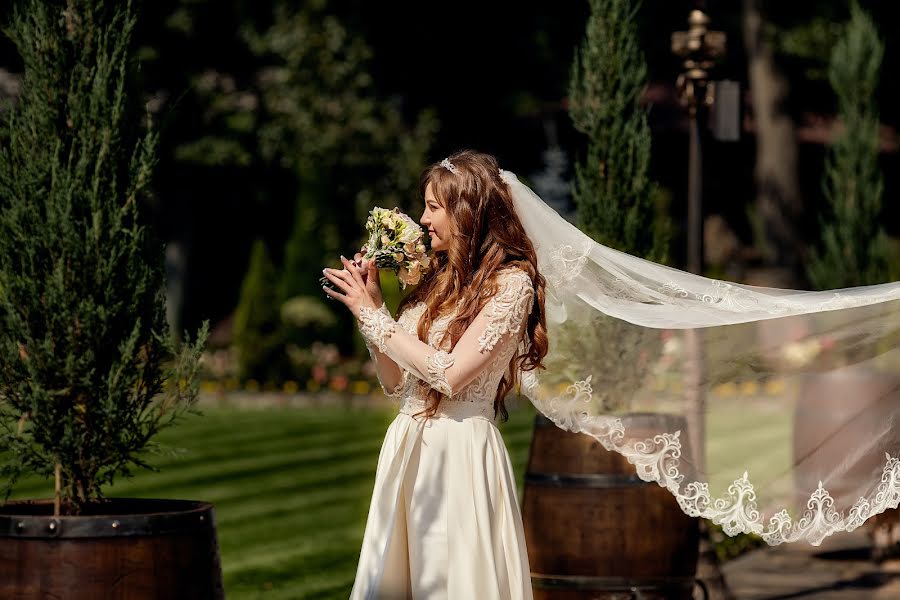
{"points": [[786, 401]]}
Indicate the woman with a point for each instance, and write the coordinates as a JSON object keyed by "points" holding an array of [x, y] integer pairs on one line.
{"points": [[444, 521], [627, 335]]}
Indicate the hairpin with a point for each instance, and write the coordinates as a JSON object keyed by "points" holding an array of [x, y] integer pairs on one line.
{"points": [[449, 166]]}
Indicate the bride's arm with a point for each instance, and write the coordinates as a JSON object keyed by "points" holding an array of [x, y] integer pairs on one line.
{"points": [[497, 324], [390, 375]]}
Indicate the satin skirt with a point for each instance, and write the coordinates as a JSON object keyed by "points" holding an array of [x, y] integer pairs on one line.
{"points": [[444, 520]]}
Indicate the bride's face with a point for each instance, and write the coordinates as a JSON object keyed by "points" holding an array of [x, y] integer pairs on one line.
{"points": [[436, 221]]}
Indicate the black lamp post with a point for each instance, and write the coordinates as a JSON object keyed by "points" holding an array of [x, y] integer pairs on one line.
{"points": [[698, 46]]}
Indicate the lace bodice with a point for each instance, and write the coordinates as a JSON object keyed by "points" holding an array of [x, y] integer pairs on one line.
{"points": [[470, 374]]}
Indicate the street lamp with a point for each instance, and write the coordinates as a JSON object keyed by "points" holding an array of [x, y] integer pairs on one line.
{"points": [[699, 47]]}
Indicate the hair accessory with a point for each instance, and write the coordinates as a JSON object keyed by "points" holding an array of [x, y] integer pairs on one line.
{"points": [[449, 166]]}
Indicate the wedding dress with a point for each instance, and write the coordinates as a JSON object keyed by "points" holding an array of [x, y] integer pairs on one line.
{"points": [[444, 521]]}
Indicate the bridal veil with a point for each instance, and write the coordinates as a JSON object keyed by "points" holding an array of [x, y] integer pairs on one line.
{"points": [[789, 399]]}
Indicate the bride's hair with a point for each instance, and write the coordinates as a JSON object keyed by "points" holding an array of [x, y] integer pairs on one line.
{"points": [[485, 236]]}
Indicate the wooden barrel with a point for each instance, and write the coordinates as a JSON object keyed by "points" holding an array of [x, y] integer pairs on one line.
{"points": [[594, 529], [123, 549]]}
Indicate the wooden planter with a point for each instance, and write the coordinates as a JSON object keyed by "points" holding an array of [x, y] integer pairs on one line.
{"points": [[124, 549], [594, 529]]}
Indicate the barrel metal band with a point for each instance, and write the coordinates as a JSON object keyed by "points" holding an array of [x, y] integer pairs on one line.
{"points": [[584, 480], [168, 516], [586, 582]]}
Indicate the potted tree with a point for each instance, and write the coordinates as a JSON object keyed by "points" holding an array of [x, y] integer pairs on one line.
{"points": [[88, 371], [572, 473]]}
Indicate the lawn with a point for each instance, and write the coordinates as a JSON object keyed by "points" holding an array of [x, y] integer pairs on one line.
{"points": [[291, 489], [291, 486]]}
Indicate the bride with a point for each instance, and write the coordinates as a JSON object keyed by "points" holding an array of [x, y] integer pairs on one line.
{"points": [[444, 521], [618, 348]]}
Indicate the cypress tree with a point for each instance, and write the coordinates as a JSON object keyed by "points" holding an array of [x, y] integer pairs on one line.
{"points": [[88, 370], [854, 249], [612, 190], [258, 333]]}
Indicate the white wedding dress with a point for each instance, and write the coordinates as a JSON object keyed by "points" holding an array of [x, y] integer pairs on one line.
{"points": [[444, 521]]}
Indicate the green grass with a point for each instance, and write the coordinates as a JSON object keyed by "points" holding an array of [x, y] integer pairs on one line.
{"points": [[291, 490], [291, 487]]}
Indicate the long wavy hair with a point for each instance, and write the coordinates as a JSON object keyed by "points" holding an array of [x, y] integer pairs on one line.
{"points": [[485, 236]]}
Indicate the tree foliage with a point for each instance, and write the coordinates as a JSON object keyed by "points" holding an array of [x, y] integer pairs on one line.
{"points": [[257, 323], [276, 126], [612, 189], [854, 248], [88, 371], [322, 123]]}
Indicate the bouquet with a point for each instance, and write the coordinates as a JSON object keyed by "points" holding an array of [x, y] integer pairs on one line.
{"points": [[395, 242]]}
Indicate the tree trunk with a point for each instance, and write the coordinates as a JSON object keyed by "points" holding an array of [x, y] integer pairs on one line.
{"points": [[778, 202], [57, 489]]}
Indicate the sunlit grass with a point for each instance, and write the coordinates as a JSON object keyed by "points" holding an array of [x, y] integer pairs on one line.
{"points": [[291, 489], [291, 486]]}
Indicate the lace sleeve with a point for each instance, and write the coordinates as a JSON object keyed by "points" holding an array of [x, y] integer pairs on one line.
{"points": [[376, 328], [376, 325], [500, 321], [507, 311]]}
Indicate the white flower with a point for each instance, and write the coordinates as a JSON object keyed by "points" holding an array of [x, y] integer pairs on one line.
{"points": [[411, 232], [392, 231]]}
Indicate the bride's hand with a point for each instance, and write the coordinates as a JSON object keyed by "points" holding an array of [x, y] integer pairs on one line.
{"points": [[349, 281], [369, 273]]}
